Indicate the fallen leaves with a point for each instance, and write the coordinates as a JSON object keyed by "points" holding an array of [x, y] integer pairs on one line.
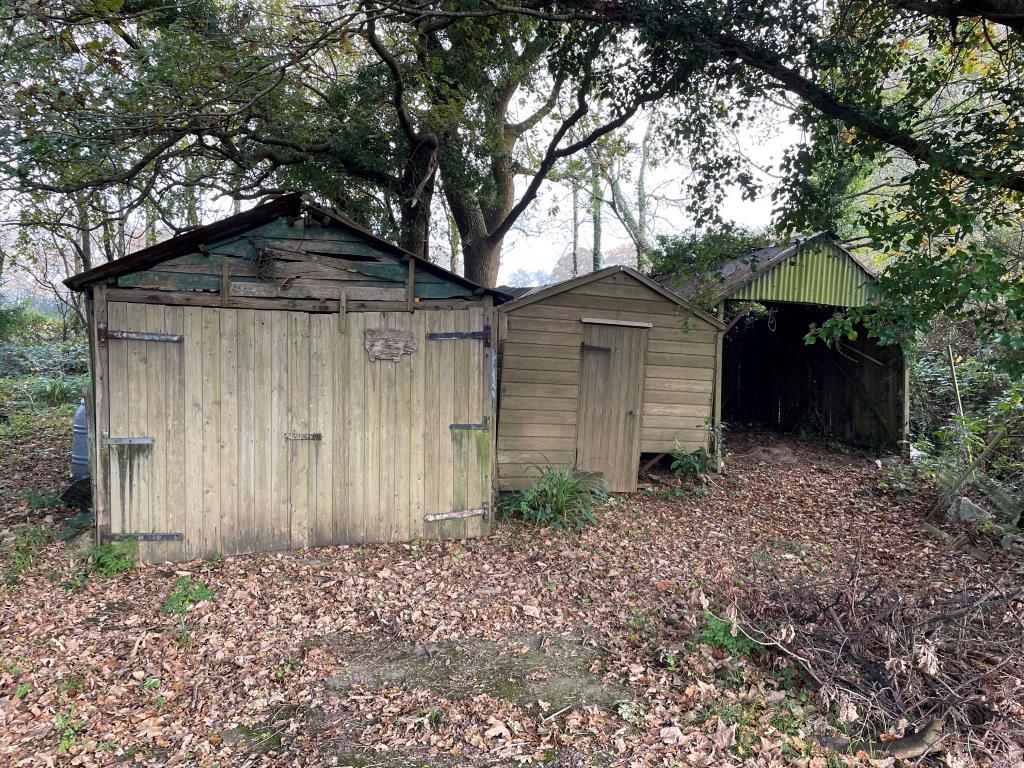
{"points": [[244, 677]]}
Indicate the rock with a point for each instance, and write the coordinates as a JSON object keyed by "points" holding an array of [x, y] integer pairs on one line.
{"points": [[1011, 541], [962, 509], [935, 531], [916, 453], [887, 463]]}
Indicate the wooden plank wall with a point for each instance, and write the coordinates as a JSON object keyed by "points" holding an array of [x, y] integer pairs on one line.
{"points": [[218, 406], [540, 374]]}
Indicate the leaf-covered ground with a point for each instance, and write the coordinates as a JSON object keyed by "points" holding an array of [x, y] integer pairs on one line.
{"points": [[35, 459], [524, 647]]}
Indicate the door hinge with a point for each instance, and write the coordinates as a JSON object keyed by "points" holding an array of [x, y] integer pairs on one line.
{"points": [[108, 441], [104, 334], [484, 335], [484, 425], [105, 537], [303, 436], [460, 515]]}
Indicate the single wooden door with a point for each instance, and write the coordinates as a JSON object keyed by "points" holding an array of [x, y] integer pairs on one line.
{"points": [[610, 403]]}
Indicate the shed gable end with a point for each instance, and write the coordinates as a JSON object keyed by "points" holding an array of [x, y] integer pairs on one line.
{"points": [[818, 273]]}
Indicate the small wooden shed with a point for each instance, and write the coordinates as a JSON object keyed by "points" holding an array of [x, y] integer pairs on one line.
{"points": [[282, 379], [856, 390], [596, 371]]}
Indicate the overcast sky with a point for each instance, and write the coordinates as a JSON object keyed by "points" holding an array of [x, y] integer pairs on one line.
{"points": [[543, 238]]}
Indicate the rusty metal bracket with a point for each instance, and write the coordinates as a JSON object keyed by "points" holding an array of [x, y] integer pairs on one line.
{"points": [[303, 436]]}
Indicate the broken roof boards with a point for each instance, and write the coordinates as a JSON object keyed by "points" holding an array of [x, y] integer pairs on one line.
{"points": [[282, 379], [598, 369]]}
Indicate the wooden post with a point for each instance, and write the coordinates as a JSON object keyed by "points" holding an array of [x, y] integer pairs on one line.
{"points": [[716, 418], [225, 284], [411, 284], [99, 456]]}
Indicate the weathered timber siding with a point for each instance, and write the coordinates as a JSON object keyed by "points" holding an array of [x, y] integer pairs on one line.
{"points": [[219, 405], [819, 273], [310, 261], [540, 373]]}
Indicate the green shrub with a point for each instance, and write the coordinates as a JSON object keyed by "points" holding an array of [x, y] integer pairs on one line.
{"points": [[690, 465], [719, 634], [62, 358], [561, 498], [56, 390], [185, 593], [108, 560]]}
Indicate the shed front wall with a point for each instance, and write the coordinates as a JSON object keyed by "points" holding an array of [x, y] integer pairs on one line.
{"points": [[540, 374], [227, 409]]}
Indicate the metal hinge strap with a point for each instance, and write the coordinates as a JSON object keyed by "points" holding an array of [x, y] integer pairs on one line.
{"points": [[107, 441], [458, 515], [482, 426], [142, 537], [104, 334], [484, 335], [303, 436]]}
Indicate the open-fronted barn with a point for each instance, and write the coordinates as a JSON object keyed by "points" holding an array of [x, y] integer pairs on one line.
{"points": [[596, 371], [281, 379], [856, 390]]}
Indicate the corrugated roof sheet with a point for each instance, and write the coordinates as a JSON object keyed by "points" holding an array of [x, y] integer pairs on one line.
{"points": [[823, 273]]}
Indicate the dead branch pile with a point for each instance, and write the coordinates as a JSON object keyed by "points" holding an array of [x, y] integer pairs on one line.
{"points": [[889, 660]]}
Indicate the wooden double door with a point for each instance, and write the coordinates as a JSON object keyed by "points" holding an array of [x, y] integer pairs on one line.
{"points": [[611, 402], [235, 430]]}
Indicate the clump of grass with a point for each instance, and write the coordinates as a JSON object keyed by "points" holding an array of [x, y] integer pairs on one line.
{"points": [[561, 498], [185, 593], [24, 549], [108, 560]]}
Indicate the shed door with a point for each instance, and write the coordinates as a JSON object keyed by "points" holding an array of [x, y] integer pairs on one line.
{"points": [[610, 403]]}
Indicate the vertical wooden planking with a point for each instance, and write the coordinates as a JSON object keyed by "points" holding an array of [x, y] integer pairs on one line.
{"points": [[450, 396], [264, 411], [341, 370], [280, 529], [298, 365], [245, 532], [323, 365], [716, 413], [355, 429], [139, 458], [100, 411], [417, 477], [371, 439], [211, 433], [117, 457], [156, 375], [176, 498], [229, 517], [402, 425], [193, 431]]}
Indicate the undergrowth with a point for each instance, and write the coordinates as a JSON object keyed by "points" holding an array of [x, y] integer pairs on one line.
{"points": [[560, 498], [185, 593]]}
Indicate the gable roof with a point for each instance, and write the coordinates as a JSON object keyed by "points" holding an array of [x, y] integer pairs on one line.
{"points": [[741, 271], [539, 293], [291, 205]]}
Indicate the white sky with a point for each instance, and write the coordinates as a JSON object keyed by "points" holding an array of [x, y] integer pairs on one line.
{"points": [[541, 238]]}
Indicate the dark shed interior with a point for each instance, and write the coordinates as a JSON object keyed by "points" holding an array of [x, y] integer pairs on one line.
{"points": [[773, 378]]}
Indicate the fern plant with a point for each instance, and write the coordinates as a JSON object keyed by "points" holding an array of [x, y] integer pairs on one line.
{"points": [[690, 465], [560, 498]]}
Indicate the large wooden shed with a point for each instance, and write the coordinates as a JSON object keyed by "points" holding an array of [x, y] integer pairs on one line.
{"points": [[596, 371], [281, 379], [856, 390]]}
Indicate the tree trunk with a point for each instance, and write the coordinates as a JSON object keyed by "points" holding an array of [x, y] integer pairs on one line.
{"points": [[595, 213]]}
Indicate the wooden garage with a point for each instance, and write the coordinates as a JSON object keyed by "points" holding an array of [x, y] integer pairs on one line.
{"points": [[596, 371], [856, 390], [282, 379]]}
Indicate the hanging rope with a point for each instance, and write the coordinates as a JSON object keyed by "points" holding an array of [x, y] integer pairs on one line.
{"points": [[771, 320]]}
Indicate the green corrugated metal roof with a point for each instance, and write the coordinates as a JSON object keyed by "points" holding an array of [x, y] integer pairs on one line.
{"points": [[818, 272]]}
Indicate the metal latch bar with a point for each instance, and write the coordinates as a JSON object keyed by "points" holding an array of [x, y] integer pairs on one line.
{"points": [[482, 426], [142, 537], [484, 335], [127, 441], [303, 436]]}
